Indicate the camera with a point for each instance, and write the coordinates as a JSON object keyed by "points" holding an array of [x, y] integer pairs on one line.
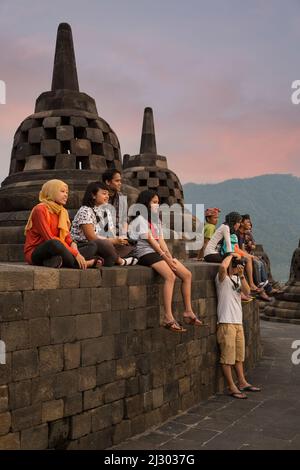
{"points": [[238, 262]]}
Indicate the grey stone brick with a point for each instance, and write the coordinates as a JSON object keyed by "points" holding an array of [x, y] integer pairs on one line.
{"points": [[25, 364], [101, 418], [20, 394], [15, 334], [39, 331], [27, 417], [58, 433], [63, 329], [87, 378], [60, 302], [101, 299], [51, 359], [35, 438], [11, 306], [81, 301], [72, 355], [88, 326], [97, 350], [36, 303]]}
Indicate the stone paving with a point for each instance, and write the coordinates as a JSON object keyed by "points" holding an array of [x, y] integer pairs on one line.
{"points": [[267, 420]]}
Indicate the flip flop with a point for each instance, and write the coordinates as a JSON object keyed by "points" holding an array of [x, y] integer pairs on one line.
{"points": [[238, 395], [250, 388], [193, 321], [173, 326]]}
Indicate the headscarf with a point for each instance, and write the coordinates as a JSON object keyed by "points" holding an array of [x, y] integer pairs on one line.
{"points": [[212, 212], [47, 197]]}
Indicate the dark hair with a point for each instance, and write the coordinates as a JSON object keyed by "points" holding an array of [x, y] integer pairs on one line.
{"points": [[246, 217], [109, 174], [145, 197], [231, 219], [91, 191]]}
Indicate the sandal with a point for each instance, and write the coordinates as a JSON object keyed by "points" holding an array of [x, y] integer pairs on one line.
{"points": [[250, 388], [174, 326], [193, 321], [238, 395], [130, 261], [98, 263]]}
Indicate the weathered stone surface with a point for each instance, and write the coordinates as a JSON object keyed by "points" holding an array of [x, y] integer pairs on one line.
{"points": [[35, 438], [64, 132], [125, 368], [15, 334], [81, 301], [114, 391], [81, 147], [63, 329], [52, 410], [58, 433], [25, 364], [88, 326], [73, 404], [93, 398], [94, 351], [15, 279], [46, 278], [66, 383], [87, 378], [36, 304], [3, 398], [101, 418], [20, 394], [5, 423], [10, 442], [50, 147], [11, 306], [27, 417], [51, 359], [106, 372], [101, 299], [39, 331], [71, 355], [81, 425], [90, 278]]}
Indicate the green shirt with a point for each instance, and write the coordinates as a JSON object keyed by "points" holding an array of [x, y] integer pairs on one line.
{"points": [[209, 230]]}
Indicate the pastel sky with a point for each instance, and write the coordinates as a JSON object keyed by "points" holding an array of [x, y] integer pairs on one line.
{"points": [[217, 74]]}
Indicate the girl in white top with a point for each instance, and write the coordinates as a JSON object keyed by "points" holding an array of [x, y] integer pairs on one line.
{"points": [[151, 250], [212, 251]]}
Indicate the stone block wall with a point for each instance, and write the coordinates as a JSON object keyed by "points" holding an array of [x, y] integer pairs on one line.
{"points": [[87, 364]]}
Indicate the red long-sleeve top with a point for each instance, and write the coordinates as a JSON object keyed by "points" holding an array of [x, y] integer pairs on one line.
{"points": [[44, 227]]}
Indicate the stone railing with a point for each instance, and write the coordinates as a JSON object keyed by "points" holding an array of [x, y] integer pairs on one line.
{"points": [[87, 364]]}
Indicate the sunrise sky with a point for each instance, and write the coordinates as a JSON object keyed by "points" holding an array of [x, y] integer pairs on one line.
{"points": [[217, 74]]}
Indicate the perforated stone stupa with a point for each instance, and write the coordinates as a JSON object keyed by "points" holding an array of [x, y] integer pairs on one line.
{"points": [[150, 170]]}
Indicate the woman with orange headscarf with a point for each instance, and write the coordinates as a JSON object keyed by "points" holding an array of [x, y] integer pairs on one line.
{"points": [[48, 240]]}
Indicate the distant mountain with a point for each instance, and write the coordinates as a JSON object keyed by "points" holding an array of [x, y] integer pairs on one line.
{"points": [[273, 201]]}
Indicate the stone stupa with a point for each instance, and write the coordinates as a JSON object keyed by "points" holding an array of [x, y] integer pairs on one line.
{"points": [[149, 170]]}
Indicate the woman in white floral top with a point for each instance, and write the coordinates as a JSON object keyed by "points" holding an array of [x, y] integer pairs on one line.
{"points": [[94, 222]]}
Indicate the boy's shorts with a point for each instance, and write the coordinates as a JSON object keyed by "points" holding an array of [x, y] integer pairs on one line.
{"points": [[231, 339]]}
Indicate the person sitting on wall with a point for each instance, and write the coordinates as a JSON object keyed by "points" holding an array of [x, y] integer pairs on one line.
{"points": [[48, 240], [212, 252], [94, 222], [247, 243], [211, 220], [151, 250], [113, 180], [230, 282]]}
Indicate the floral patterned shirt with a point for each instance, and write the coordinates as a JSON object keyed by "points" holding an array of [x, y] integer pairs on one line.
{"points": [[99, 216]]}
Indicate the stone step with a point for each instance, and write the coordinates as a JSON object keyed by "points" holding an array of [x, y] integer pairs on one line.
{"points": [[273, 311], [294, 321], [11, 252], [9, 235]]}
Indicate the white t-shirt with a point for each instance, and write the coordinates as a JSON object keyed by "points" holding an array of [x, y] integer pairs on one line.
{"points": [[138, 230], [212, 246], [229, 300]]}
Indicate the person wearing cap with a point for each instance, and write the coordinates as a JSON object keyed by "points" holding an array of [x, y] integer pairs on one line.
{"points": [[211, 220]]}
